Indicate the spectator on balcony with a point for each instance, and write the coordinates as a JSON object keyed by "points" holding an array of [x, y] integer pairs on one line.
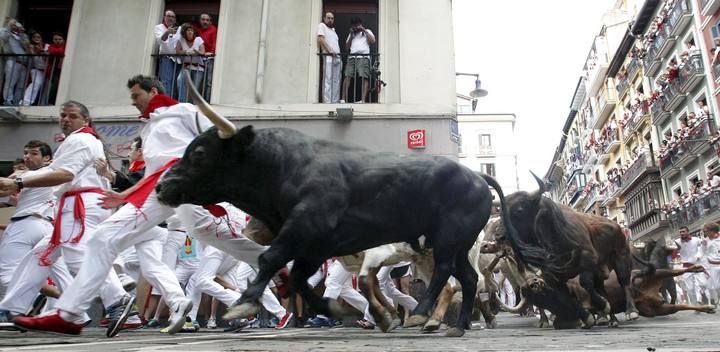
{"points": [[702, 110], [15, 42], [358, 65], [692, 120], [38, 65], [713, 180], [192, 49], [208, 32], [331, 62], [168, 66], [56, 50]]}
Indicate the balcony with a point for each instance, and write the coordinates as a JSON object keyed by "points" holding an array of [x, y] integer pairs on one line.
{"points": [[645, 218], [596, 76], [673, 94], [590, 161], [595, 196], [612, 191], [643, 166], [486, 150], [652, 222], [691, 73], [607, 99], [638, 113], [354, 91], [650, 62], [36, 86], [680, 16], [708, 7], [680, 154], [613, 138], [657, 110], [633, 68], [169, 69], [664, 41], [623, 85], [693, 214]]}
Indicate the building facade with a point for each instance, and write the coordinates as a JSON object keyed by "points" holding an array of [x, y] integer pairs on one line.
{"points": [[659, 147], [266, 70]]}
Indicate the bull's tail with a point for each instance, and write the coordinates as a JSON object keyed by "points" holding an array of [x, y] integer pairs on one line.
{"points": [[527, 253]]}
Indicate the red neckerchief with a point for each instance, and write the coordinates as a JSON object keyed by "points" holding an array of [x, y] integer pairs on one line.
{"points": [[158, 101], [90, 131], [136, 165], [147, 185]]}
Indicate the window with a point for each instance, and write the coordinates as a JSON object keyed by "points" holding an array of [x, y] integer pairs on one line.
{"points": [[715, 31], [488, 169], [485, 140], [461, 150]]}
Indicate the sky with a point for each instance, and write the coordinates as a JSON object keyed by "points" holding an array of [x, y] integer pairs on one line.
{"points": [[529, 55]]}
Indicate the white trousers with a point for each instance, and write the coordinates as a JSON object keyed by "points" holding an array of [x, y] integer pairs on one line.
{"points": [[392, 294], [20, 237], [331, 79], [14, 81], [31, 275], [130, 226], [338, 283], [33, 89], [692, 284]]}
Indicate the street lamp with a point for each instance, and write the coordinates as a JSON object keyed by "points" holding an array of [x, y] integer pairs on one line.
{"points": [[477, 92]]}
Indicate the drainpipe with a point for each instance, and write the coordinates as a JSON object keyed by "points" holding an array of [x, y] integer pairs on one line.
{"points": [[260, 73]]}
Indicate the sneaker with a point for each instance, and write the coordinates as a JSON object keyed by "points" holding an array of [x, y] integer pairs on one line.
{"points": [[332, 323], [7, 321], [133, 322], [37, 306], [118, 314], [273, 322], [49, 323], [254, 323], [128, 283], [284, 321], [317, 322], [365, 324], [177, 317], [190, 326], [152, 324], [211, 324], [342, 101]]}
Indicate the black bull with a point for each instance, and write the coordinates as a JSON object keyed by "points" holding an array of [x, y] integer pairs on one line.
{"points": [[325, 199], [564, 244]]}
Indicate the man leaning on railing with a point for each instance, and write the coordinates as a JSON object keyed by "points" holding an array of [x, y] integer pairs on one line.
{"points": [[14, 41]]}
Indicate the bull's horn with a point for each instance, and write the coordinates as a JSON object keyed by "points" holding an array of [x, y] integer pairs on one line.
{"points": [[519, 308], [226, 129], [540, 182]]}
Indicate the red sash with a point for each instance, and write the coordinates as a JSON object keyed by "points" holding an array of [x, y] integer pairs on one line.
{"points": [[147, 185], [78, 214]]}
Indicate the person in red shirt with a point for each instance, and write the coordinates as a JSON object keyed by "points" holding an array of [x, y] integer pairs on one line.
{"points": [[208, 32], [56, 50]]}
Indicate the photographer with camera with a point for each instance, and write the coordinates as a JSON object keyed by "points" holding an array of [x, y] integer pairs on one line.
{"points": [[358, 65]]}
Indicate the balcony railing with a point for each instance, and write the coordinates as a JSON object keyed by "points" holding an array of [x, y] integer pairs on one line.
{"points": [[682, 151], [716, 71], [650, 56], [612, 140], [643, 162], [486, 150], [637, 113], [691, 73], [673, 94], [661, 39], [623, 85], [657, 109], [653, 220], [169, 72], [632, 68], [679, 16], [359, 78], [30, 79], [694, 211]]}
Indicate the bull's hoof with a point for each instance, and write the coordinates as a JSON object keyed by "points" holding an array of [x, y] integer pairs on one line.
{"points": [[613, 324], [710, 310], [602, 319], [608, 308], [395, 323], [431, 325], [631, 316], [542, 324], [242, 311], [492, 324], [589, 322], [416, 320], [455, 332], [384, 322]]}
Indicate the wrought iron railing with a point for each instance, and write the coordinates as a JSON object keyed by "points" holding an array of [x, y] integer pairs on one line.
{"points": [[30, 79], [349, 78], [644, 161], [169, 68], [697, 209]]}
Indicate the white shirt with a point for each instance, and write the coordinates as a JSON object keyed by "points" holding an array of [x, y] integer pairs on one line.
{"points": [[35, 200], [168, 132], [197, 60], [359, 43], [690, 250], [331, 37], [77, 155], [712, 251], [167, 46]]}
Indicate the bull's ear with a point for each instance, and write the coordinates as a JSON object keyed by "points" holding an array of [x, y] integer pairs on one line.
{"points": [[246, 135]]}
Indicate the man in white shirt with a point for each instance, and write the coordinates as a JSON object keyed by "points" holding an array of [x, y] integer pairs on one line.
{"points": [[690, 254], [331, 61], [166, 37], [78, 213], [711, 252], [171, 126], [358, 41]]}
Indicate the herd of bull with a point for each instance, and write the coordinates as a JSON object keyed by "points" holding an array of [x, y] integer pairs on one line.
{"points": [[319, 199]]}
